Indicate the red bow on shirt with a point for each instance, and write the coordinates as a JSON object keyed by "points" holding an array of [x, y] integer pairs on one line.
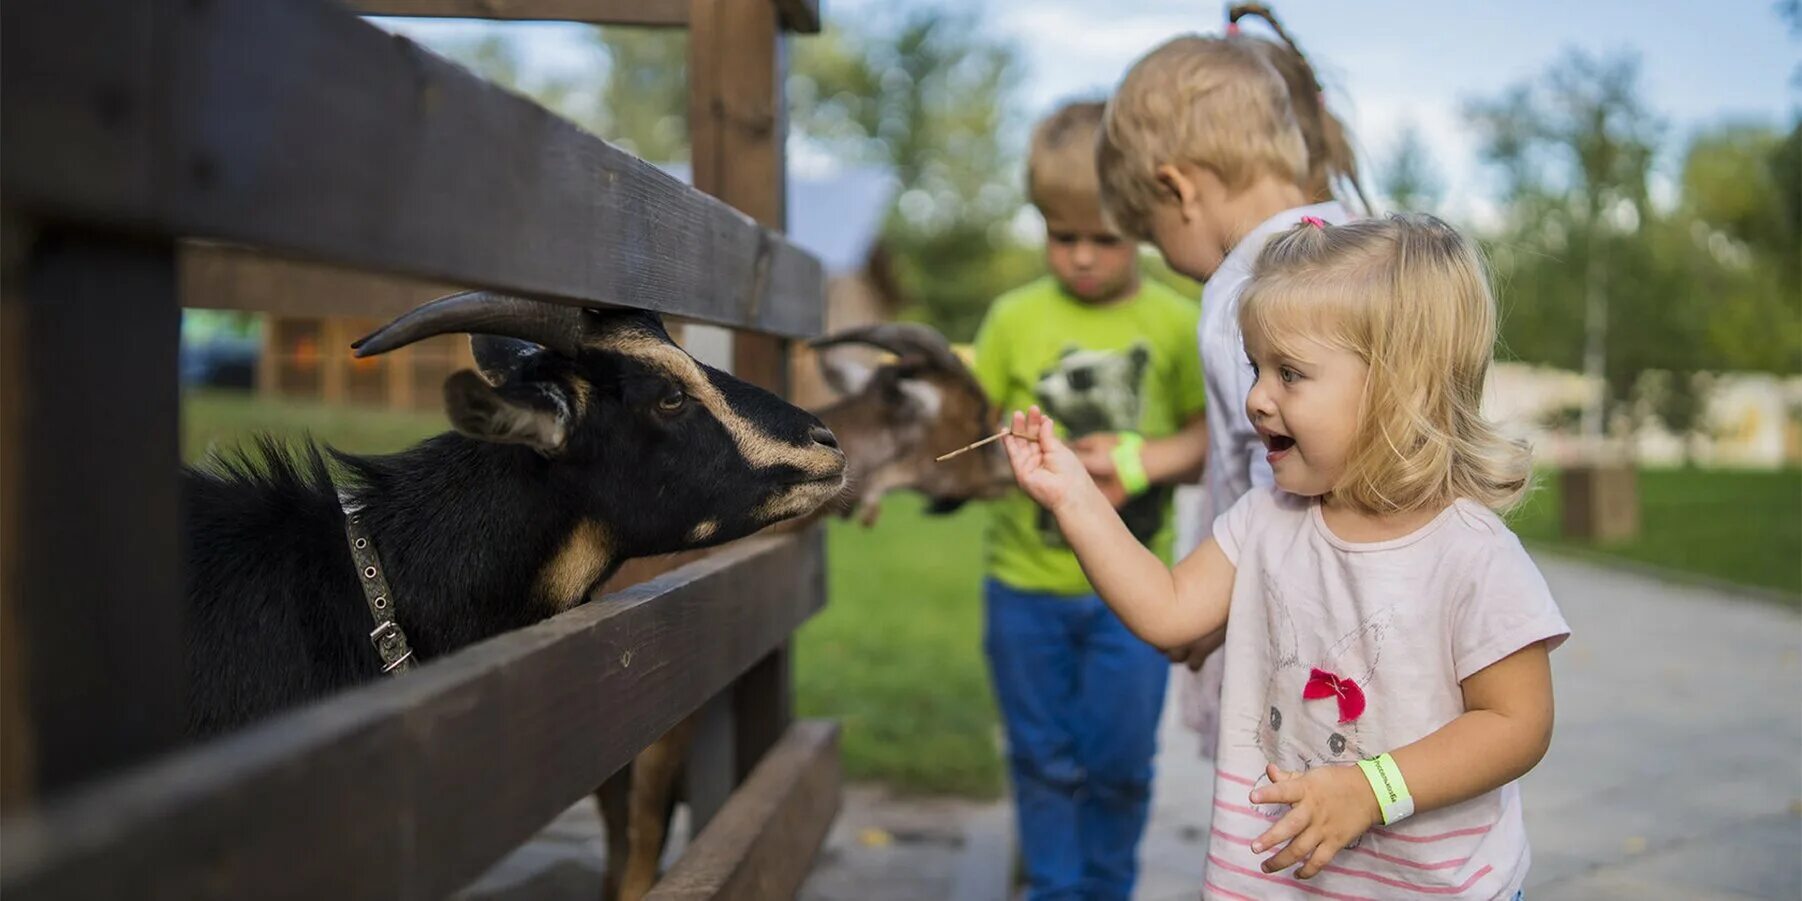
{"points": [[1322, 684]]}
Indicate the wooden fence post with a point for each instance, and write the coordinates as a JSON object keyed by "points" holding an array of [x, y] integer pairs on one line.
{"points": [[738, 128], [92, 555]]}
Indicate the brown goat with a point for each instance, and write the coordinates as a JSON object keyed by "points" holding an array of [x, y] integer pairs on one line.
{"points": [[891, 420]]}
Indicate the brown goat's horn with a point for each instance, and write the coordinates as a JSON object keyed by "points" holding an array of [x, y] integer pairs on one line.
{"points": [[903, 339], [556, 326], [908, 340]]}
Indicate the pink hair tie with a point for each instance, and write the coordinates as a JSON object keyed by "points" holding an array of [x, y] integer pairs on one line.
{"points": [[1315, 221], [1232, 29]]}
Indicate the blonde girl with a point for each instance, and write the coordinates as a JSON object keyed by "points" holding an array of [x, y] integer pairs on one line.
{"points": [[1387, 678]]}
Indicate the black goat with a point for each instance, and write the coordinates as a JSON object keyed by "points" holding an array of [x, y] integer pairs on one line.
{"points": [[588, 439]]}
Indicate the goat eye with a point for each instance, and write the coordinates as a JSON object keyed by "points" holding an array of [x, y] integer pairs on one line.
{"points": [[672, 402]]}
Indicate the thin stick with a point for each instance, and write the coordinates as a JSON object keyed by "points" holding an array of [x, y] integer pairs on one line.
{"points": [[976, 444]]}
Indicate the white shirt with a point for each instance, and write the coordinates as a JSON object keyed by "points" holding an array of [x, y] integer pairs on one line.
{"points": [[1405, 621], [1235, 454]]}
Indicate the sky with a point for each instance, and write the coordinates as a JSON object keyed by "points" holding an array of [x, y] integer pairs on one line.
{"points": [[1386, 64]]}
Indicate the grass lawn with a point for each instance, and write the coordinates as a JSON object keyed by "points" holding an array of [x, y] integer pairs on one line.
{"points": [[224, 419], [896, 656], [1740, 526]]}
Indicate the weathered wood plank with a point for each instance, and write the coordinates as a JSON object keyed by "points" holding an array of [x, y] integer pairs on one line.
{"points": [[655, 13], [92, 550], [409, 788], [297, 127], [16, 764], [762, 843], [797, 15]]}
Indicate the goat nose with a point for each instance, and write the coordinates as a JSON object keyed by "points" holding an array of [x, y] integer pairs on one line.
{"points": [[823, 435]]}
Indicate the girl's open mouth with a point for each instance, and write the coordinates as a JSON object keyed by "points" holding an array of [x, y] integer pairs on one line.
{"points": [[1278, 446]]}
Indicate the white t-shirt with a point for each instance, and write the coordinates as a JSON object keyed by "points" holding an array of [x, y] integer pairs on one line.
{"points": [[1406, 620], [1235, 453]]}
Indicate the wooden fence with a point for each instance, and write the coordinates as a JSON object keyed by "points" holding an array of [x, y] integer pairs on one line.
{"points": [[144, 139]]}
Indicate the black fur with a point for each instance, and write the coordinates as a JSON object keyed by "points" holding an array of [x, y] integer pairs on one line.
{"points": [[464, 528]]}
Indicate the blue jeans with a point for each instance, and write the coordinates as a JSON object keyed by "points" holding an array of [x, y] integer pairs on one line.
{"points": [[1080, 697]]}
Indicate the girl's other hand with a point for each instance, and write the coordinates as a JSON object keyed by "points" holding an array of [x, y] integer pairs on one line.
{"points": [[1097, 455], [1097, 452], [1047, 470], [1329, 807]]}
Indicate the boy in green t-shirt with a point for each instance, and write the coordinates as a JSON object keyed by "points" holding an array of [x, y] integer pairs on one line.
{"points": [[1113, 361]]}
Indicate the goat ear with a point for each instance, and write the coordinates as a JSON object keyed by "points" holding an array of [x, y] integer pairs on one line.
{"points": [[843, 372], [532, 413], [502, 359], [924, 399]]}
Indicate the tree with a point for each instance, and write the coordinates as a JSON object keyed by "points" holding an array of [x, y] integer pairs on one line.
{"points": [[927, 96], [1649, 299], [1408, 179], [1584, 126]]}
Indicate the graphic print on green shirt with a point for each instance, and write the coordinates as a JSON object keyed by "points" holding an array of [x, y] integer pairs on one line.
{"points": [[1102, 391], [1127, 365]]}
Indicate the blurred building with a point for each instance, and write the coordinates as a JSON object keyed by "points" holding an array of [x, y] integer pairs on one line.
{"points": [[1749, 420]]}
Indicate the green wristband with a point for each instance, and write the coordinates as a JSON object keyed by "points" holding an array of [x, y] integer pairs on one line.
{"points": [[1129, 463], [1391, 789]]}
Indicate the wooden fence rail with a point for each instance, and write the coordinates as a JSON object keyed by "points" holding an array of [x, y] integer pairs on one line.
{"points": [[297, 127], [801, 16], [411, 787]]}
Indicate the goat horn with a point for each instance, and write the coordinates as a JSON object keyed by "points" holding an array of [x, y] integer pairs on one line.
{"points": [[903, 339], [555, 326], [908, 340]]}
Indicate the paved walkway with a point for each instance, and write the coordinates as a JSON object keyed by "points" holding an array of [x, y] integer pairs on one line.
{"points": [[1675, 773]]}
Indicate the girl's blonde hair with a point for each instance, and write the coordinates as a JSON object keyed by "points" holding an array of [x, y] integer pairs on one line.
{"points": [[1410, 296], [1239, 106]]}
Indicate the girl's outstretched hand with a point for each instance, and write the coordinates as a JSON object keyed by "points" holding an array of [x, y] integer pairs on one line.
{"points": [[1047, 470]]}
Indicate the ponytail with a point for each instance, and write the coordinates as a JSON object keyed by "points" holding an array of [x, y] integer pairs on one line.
{"points": [[1330, 155]]}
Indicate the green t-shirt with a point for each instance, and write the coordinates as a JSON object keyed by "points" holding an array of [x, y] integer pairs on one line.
{"points": [[1130, 365]]}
